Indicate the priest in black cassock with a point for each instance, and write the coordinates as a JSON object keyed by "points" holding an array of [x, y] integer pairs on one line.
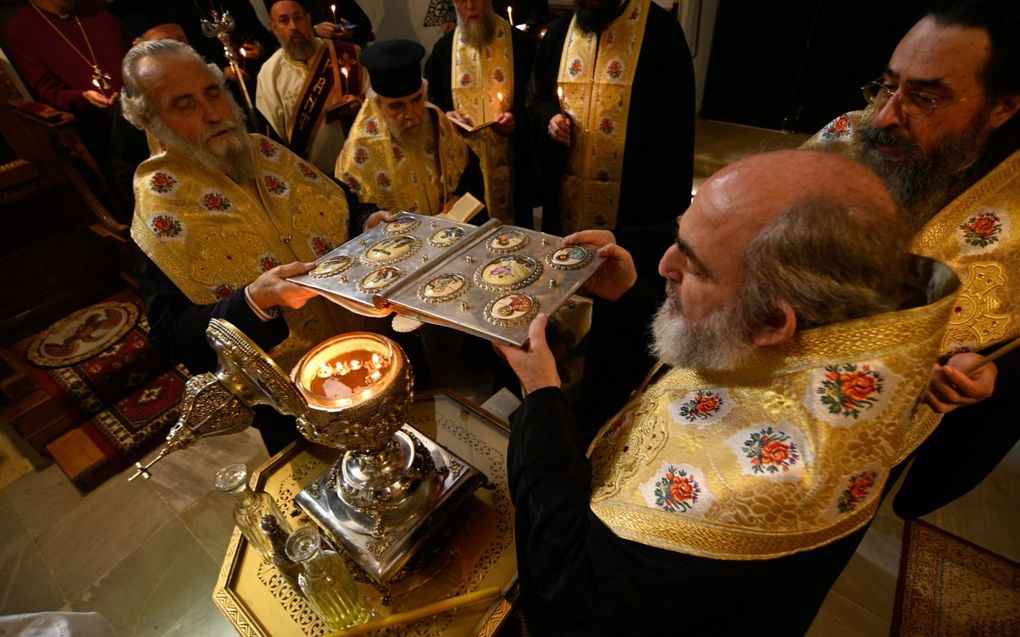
{"points": [[614, 114], [479, 73]]}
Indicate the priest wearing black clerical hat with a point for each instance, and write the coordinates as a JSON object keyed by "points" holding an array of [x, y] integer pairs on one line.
{"points": [[402, 152]]}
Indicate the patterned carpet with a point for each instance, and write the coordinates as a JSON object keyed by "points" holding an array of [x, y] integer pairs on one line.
{"points": [[100, 366], [948, 586]]}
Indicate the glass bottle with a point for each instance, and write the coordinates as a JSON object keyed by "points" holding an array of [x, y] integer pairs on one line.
{"points": [[326, 582], [251, 508]]}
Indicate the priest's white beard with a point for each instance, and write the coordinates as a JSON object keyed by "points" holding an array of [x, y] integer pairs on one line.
{"points": [[229, 154], [718, 342]]}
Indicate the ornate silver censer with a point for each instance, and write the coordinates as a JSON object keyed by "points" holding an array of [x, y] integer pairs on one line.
{"points": [[392, 486]]}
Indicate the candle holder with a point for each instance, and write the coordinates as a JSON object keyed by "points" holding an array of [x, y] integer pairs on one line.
{"points": [[392, 487]]}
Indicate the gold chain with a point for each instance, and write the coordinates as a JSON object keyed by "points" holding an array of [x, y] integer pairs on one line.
{"points": [[99, 79]]}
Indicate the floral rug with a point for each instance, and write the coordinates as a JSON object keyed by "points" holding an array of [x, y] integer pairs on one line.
{"points": [[948, 586]]}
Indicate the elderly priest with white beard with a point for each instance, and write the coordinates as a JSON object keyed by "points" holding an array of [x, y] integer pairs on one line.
{"points": [[223, 217], [728, 494]]}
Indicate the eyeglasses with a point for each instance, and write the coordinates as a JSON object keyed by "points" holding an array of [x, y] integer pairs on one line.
{"points": [[912, 103]]}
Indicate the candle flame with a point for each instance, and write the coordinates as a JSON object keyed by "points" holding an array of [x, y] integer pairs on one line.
{"points": [[344, 71], [499, 96], [243, 53], [510, 15], [559, 92]]}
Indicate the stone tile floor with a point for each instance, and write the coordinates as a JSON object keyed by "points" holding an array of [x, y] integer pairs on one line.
{"points": [[146, 554]]}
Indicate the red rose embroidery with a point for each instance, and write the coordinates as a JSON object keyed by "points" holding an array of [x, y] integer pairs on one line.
{"points": [[607, 126], [676, 491], [275, 185], [165, 226], [383, 180], [268, 262], [857, 489], [614, 70], [498, 75], [224, 290], [360, 155], [982, 229], [320, 246], [215, 201], [575, 68], [307, 171], [398, 153], [354, 183], [267, 148], [162, 183], [466, 79], [848, 389], [372, 127]]}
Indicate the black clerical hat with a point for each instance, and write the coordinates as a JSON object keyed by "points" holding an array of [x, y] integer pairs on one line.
{"points": [[394, 67], [307, 5]]}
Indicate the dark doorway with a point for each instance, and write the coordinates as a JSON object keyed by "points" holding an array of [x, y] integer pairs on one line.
{"points": [[796, 65]]}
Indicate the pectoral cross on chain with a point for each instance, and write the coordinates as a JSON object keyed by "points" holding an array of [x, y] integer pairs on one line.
{"points": [[100, 79]]}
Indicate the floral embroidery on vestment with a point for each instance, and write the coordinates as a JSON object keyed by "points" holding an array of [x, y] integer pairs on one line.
{"points": [[770, 451], [982, 229], [676, 491], [849, 389], [215, 201], [166, 226], [838, 128], [162, 183], [858, 486], [275, 184], [223, 290], [319, 244]]}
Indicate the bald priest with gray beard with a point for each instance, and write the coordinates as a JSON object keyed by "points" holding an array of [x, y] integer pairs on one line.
{"points": [[731, 490]]}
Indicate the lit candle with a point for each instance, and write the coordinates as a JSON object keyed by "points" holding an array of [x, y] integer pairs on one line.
{"points": [[346, 376], [332, 8], [510, 14], [345, 83], [559, 96], [499, 96]]}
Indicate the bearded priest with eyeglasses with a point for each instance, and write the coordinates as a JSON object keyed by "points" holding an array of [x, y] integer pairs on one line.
{"points": [[941, 130]]}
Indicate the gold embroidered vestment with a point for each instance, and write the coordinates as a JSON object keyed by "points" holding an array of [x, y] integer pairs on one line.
{"points": [[212, 237], [399, 177], [789, 453], [482, 87], [596, 74]]}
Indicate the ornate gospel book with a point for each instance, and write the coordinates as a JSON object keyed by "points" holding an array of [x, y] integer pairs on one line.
{"points": [[487, 280]]}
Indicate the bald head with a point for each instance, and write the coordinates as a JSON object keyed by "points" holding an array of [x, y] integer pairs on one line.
{"points": [[754, 191], [776, 243]]}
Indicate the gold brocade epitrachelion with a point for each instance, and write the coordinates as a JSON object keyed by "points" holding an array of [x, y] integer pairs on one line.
{"points": [[212, 236], [396, 176], [483, 86], [789, 453], [597, 75]]}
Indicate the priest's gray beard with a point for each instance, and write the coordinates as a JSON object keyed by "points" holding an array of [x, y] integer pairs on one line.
{"points": [[300, 51], [478, 32], [922, 181], [229, 154], [719, 342]]}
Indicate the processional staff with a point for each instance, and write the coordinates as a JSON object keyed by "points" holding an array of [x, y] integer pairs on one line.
{"points": [[220, 27]]}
